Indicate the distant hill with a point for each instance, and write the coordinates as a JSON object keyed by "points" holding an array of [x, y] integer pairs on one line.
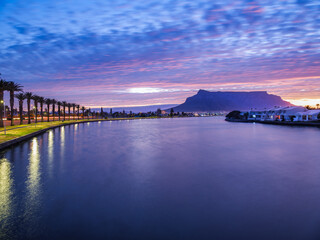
{"points": [[148, 108], [205, 101]]}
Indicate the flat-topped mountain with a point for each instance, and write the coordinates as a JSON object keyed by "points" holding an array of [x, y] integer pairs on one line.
{"points": [[205, 101]]}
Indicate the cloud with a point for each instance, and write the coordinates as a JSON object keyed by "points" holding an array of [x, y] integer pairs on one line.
{"points": [[110, 49]]}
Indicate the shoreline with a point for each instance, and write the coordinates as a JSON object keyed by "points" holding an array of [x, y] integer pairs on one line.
{"points": [[297, 124], [9, 143]]}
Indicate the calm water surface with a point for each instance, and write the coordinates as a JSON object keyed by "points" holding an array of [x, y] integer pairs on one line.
{"points": [[193, 178]]}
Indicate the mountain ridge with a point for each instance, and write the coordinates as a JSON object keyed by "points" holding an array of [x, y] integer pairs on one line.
{"points": [[206, 101]]}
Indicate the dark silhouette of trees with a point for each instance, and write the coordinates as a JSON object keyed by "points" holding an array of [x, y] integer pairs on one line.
{"points": [[28, 96], [73, 109], [59, 109], [48, 102], [171, 112], [21, 97], [13, 87], [35, 100], [64, 104], [78, 107], [53, 102], [41, 101], [69, 107], [3, 87]]}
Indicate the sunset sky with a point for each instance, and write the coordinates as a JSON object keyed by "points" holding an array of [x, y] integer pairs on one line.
{"points": [[130, 53]]}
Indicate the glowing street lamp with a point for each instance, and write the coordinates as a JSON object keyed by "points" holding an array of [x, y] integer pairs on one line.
{"points": [[4, 115], [35, 116]]}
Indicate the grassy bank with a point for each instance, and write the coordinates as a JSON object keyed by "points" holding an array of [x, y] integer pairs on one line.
{"points": [[13, 132]]}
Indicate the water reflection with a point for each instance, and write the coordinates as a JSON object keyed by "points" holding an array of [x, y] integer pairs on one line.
{"points": [[33, 184], [50, 151], [206, 174], [5, 193], [62, 140]]}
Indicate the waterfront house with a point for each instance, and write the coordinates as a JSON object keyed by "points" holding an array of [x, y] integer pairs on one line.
{"points": [[259, 115], [287, 113], [277, 114], [308, 115]]}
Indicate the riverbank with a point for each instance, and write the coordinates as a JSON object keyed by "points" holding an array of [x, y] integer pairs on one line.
{"points": [[17, 134], [300, 124]]}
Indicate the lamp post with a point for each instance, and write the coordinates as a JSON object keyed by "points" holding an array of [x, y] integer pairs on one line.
{"points": [[4, 115], [35, 117]]}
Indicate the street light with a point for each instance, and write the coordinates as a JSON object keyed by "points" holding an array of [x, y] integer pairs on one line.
{"points": [[35, 117], [4, 115]]}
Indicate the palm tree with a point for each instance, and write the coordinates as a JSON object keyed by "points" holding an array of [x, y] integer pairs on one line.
{"points": [[69, 107], [73, 109], [13, 87], [64, 104], [36, 100], [318, 105], [41, 101], [48, 102], [28, 96], [83, 108], [78, 107], [59, 109], [3, 87], [20, 97], [53, 102]]}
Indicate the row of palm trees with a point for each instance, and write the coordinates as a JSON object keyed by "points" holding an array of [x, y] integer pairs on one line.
{"points": [[13, 88]]}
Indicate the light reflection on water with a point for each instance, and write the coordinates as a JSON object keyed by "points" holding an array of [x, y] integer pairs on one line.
{"points": [[33, 187], [5, 195], [50, 151], [198, 178]]}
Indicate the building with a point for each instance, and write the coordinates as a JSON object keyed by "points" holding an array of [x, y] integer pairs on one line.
{"points": [[289, 114], [309, 115]]}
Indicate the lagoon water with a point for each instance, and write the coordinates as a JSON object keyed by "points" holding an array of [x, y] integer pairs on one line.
{"points": [[191, 178]]}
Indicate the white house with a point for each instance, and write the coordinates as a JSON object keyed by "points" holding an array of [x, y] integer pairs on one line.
{"points": [[309, 115], [259, 115], [285, 113], [277, 114]]}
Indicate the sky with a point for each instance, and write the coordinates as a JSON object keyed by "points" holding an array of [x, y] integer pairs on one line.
{"points": [[145, 52]]}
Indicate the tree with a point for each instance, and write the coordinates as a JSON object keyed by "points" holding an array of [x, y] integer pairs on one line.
{"points": [[111, 111], [171, 112], [64, 104], [234, 115], [13, 87], [21, 97], [53, 102], [28, 96], [69, 107], [48, 102], [89, 111], [59, 109], [3, 87], [41, 101], [36, 100], [83, 108], [73, 109], [78, 107], [318, 106]]}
